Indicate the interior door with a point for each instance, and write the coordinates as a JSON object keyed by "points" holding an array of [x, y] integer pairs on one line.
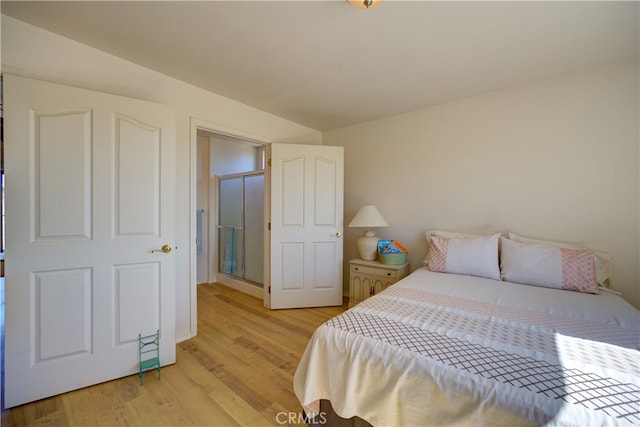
{"points": [[89, 196], [306, 215]]}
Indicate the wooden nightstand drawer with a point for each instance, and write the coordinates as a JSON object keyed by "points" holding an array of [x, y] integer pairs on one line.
{"points": [[373, 271], [367, 278]]}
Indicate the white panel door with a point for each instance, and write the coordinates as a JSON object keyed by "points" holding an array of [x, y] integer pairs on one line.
{"points": [[306, 206], [89, 195]]}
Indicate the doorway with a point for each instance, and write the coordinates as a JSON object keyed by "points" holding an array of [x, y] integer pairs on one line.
{"points": [[229, 209], [320, 274]]}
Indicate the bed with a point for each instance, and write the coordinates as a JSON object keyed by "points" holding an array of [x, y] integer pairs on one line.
{"points": [[445, 348]]}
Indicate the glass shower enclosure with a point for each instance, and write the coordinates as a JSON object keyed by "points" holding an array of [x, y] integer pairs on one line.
{"points": [[241, 226]]}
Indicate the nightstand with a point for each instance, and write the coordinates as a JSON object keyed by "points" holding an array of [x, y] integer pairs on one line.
{"points": [[367, 278]]}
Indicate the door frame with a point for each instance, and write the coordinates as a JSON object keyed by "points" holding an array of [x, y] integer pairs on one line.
{"points": [[207, 126]]}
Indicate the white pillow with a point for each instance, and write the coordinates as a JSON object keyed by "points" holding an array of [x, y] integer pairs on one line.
{"points": [[473, 256], [548, 266], [604, 262], [448, 235], [451, 234]]}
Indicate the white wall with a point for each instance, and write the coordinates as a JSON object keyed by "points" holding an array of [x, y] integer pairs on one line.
{"points": [[556, 159], [232, 156], [36, 53]]}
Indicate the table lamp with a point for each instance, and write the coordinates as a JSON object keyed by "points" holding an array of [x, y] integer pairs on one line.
{"points": [[368, 217]]}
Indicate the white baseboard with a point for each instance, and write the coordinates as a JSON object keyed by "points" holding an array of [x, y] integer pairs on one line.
{"points": [[239, 285]]}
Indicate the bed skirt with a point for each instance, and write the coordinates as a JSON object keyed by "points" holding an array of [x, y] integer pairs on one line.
{"points": [[328, 417]]}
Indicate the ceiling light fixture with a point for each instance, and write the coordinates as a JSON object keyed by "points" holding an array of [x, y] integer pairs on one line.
{"points": [[364, 4]]}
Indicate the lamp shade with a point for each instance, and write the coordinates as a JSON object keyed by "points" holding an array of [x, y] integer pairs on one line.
{"points": [[368, 216]]}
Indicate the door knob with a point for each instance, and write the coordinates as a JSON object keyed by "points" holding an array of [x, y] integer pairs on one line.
{"points": [[338, 234], [165, 248]]}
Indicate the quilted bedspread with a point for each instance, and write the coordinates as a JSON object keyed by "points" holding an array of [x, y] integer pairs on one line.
{"points": [[443, 349]]}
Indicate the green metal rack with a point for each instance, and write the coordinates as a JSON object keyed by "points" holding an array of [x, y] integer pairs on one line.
{"points": [[149, 353]]}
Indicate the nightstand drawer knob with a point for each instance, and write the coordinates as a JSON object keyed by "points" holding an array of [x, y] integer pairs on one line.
{"points": [[389, 274]]}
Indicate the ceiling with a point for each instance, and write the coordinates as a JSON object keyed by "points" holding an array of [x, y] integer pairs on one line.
{"points": [[325, 64]]}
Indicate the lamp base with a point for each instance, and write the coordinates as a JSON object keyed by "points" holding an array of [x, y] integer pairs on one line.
{"points": [[368, 245]]}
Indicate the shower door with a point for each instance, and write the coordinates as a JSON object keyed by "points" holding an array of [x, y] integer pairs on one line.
{"points": [[240, 226]]}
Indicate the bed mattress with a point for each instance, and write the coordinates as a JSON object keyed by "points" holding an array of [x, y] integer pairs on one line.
{"points": [[446, 349]]}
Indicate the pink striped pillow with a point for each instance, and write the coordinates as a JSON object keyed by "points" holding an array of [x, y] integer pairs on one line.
{"points": [[579, 270], [548, 266], [473, 256], [437, 259]]}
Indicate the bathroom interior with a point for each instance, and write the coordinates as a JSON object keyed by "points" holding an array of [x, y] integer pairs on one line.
{"points": [[230, 212]]}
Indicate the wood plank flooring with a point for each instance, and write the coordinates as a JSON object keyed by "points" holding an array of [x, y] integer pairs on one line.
{"points": [[238, 371]]}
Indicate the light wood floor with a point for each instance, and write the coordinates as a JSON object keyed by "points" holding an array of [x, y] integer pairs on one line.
{"points": [[238, 371]]}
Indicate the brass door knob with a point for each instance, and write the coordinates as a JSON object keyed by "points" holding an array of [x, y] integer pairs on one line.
{"points": [[165, 248]]}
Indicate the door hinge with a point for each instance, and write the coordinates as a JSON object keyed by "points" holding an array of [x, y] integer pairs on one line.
{"points": [[269, 162], [269, 289], [269, 227]]}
